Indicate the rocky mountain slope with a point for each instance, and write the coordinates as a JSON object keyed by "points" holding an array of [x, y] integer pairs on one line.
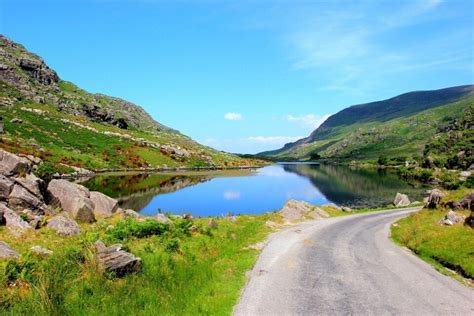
{"points": [[54, 120], [397, 128]]}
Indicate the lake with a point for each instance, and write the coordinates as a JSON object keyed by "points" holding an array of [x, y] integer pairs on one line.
{"points": [[216, 193]]}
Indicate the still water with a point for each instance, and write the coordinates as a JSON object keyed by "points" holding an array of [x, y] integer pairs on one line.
{"points": [[215, 193]]}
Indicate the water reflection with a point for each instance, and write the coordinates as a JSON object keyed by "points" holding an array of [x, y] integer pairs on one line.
{"points": [[246, 192]]}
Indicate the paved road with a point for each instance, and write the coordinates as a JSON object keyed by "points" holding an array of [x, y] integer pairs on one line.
{"points": [[348, 265]]}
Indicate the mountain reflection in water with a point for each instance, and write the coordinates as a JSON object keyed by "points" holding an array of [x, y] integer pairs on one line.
{"points": [[216, 193]]}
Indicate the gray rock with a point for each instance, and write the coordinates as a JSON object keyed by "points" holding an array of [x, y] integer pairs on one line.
{"points": [[129, 214], [6, 252], [115, 260], [6, 186], [347, 209], [64, 226], [12, 220], [401, 200], [104, 206], [212, 223], [16, 121], [435, 198], [452, 218], [162, 218], [21, 198], [295, 210], [33, 184], [72, 198], [41, 251], [11, 164]]}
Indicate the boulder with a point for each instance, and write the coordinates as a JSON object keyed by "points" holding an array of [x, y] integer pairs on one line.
{"points": [[468, 201], [64, 226], [33, 219], [113, 259], [72, 198], [41, 251], [6, 186], [12, 220], [435, 198], [212, 223], [104, 206], [452, 218], [32, 184], [162, 218], [21, 198], [295, 210], [129, 214], [347, 209], [11, 164], [401, 200], [6, 252]]}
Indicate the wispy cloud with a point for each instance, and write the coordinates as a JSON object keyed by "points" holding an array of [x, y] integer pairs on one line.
{"points": [[309, 121], [231, 116]]}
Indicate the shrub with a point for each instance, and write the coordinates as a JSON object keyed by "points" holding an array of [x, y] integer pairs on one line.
{"points": [[383, 160], [130, 228]]}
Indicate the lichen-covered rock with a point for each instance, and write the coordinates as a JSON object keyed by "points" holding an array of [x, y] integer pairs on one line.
{"points": [[6, 252], [435, 198], [115, 260], [401, 200], [11, 164], [72, 198], [104, 206], [64, 226]]}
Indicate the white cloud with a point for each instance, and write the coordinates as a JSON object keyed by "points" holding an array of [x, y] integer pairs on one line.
{"points": [[231, 116], [277, 140], [232, 195], [310, 121]]}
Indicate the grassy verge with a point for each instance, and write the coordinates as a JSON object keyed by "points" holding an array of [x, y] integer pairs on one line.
{"points": [[450, 247]]}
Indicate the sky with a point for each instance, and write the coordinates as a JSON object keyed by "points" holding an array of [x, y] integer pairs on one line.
{"points": [[247, 76]]}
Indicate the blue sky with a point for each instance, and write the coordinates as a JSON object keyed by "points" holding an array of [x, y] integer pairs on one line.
{"points": [[247, 76]]}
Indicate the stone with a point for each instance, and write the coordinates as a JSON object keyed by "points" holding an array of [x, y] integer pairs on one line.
{"points": [[452, 218], [16, 121], [295, 210], [11, 164], [33, 184], [32, 218], [64, 226], [129, 214], [347, 209], [113, 259], [12, 220], [468, 201], [6, 186], [104, 206], [21, 198], [188, 216], [465, 174], [41, 251], [212, 223], [162, 218], [6, 252], [435, 198], [71, 198], [401, 200]]}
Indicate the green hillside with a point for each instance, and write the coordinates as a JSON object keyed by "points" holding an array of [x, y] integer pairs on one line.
{"points": [[62, 124], [398, 128]]}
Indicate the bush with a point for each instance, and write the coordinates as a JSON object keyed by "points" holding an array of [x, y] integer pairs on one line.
{"points": [[469, 183], [383, 160], [130, 228]]}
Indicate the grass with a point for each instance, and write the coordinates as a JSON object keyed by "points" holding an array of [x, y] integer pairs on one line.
{"points": [[448, 246], [183, 273]]}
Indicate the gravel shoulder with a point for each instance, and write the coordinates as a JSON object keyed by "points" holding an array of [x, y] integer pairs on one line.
{"points": [[348, 265]]}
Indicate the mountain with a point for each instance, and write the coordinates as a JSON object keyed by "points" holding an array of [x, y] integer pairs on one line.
{"points": [[398, 128], [55, 120]]}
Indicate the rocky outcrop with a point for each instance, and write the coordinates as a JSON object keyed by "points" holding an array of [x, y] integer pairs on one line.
{"points": [[435, 198], [72, 198], [21, 198], [11, 164], [401, 200], [295, 210], [115, 260], [104, 206], [162, 218], [452, 218], [6, 186], [13, 220], [6, 252], [64, 226]]}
